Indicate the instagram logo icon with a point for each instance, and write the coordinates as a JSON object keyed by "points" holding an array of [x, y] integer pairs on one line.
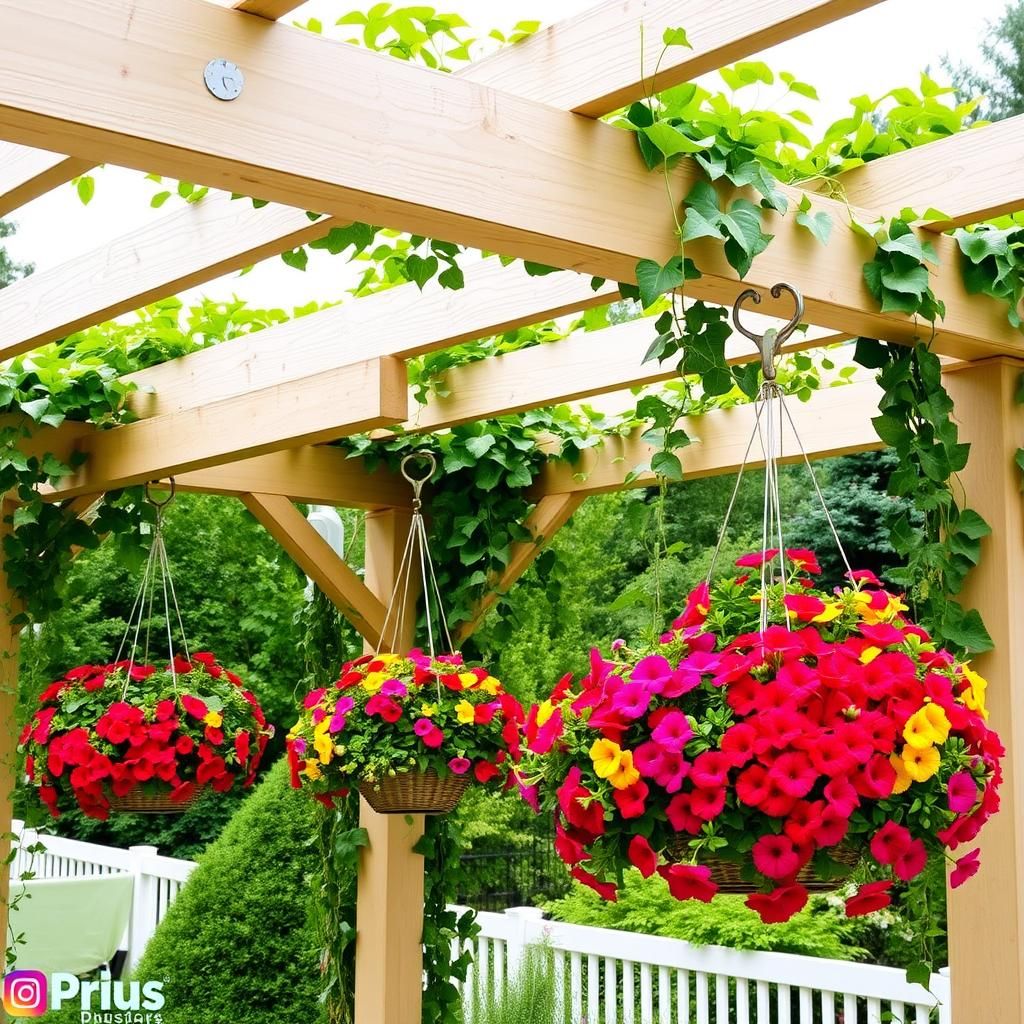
{"points": [[25, 993]]}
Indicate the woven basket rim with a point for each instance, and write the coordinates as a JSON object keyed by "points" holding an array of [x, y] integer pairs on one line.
{"points": [[414, 792]]}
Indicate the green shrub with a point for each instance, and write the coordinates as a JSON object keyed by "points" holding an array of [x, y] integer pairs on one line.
{"points": [[647, 906], [236, 945]]}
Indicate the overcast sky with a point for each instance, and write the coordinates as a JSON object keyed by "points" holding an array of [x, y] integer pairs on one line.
{"points": [[870, 52]]}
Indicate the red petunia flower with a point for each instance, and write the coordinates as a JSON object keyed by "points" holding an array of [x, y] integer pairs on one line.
{"points": [[606, 890], [966, 867], [911, 862], [804, 606], [776, 857], [485, 771], [779, 905], [869, 898], [641, 856], [689, 881], [631, 801], [889, 842], [804, 560], [756, 558]]}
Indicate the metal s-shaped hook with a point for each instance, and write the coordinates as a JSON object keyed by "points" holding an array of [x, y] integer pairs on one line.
{"points": [[769, 344], [424, 458]]}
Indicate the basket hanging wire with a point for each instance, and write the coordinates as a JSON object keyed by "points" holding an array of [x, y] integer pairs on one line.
{"points": [[771, 414]]}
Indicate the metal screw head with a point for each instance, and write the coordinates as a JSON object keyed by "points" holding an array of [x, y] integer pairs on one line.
{"points": [[224, 79]]}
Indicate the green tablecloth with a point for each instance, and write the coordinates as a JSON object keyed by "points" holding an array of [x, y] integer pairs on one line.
{"points": [[71, 924]]}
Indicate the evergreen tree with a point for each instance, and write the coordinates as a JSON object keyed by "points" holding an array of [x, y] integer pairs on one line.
{"points": [[1000, 79]]}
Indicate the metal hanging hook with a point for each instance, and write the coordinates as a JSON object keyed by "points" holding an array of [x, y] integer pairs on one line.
{"points": [[153, 501], [769, 344], [422, 458]]}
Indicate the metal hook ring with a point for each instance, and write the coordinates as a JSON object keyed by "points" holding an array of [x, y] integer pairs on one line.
{"points": [[754, 297], [152, 500], [798, 314], [426, 458]]}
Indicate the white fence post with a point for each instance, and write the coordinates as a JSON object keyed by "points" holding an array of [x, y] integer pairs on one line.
{"points": [[526, 920], [144, 904], [945, 994]]}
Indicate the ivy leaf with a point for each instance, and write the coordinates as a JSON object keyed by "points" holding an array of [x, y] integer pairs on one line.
{"points": [[452, 278], [819, 224], [480, 446], [911, 245], [746, 239], [919, 974], [980, 245], [965, 629], [671, 141], [640, 115], [703, 198], [1019, 459], [539, 269], [892, 430], [25, 514], [973, 525], [86, 188], [654, 280], [676, 37], [420, 269], [906, 276], [297, 258], [35, 408], [667, 464], [696, 225]]}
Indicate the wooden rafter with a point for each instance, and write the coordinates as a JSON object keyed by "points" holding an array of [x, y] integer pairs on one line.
{"points": [[591, 64], [969, 177], [26, 173], [319, 561], [188, 248], [269, 9], [351, 400], [835, 421], [493, 171], [549, 515]]}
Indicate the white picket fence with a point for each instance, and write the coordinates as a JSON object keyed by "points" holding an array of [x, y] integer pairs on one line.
{"points": [[601, 976], [157, 879]]}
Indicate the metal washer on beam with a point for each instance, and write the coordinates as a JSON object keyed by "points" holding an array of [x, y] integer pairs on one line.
{"points": [[224, 79]]}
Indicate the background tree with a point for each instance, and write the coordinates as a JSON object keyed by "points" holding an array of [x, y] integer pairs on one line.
{"points": [[9, 270], [1000, 76]]}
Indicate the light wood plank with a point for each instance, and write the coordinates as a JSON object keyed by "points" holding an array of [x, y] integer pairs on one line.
{"points": [[269, 9], [591, 63], [319, 561], [988, 978], [969, 177], [26, 173], [492, 171], [351, 400], [549, 515], [181, 249], [835, 421], [318, 474]]}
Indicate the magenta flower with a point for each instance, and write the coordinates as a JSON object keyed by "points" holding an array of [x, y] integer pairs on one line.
{"points": [[394, 688], [962, 792], [654, 672], [672, 732], [422, 726], [909, 864], [966, 867], [776, 857], [756, 559], [632, 701], [889, 842], [460, 765], [433, 738], [313, 698]]}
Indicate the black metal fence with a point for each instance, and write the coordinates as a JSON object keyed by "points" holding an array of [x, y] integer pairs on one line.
{"points": [[513, 877]]}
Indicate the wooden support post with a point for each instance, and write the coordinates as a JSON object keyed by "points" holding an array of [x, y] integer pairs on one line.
{"points": [[986, 916], [9, 643], [389, 911]]}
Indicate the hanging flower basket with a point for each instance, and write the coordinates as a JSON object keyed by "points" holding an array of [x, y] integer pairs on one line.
{"points": [[409, 731], [730, 758], [134, 738]]}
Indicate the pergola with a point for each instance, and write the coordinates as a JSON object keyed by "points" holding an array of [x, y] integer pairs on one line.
{"points": [[507, 155]]}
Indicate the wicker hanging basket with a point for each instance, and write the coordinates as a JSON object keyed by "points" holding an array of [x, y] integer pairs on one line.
{"points": [[139, 802], [726, 873], [415, 793]]}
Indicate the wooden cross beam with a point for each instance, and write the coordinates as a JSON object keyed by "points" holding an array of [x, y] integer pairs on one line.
{"points": [[970, 177], [493, 171], [27, 173]]}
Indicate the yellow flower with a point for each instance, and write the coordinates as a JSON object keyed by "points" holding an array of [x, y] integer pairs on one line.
{"points": [[974, 698], [926, 726], [832, 611], [322, 742], [213, 719], [607, 758], [374, 681], [903, 779], [544, 711], [465, 712], [490, 685], [388, 659], [468, 680], [428, 710], [921, 765], [869, 654], [626, 774], [312, 770]]}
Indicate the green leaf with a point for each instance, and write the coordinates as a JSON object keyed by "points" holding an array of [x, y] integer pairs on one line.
{"points": [[297, 258], [979, 245], [667, 464], [653, 280], [696, 225], [819, 224], [420, 269], [86, 187], [640, 115], [676, 37], [919, 974], [480, 446], [972, 524], [671, 141], [965, 628], [36, 408], [891, 430], [25, 514]]}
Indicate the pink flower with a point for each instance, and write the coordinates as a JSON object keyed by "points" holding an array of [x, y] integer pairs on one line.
{"points": [[804, 606], [776, 857], [794, 774], [710, 770], [632, 700], [672, 732], [890, 842], [689, 881], [756, 559], [911, 862], [312, 699], [433, 738], [707, 804], [459, 765], [962, 792], [966, 867], [804, 560], [641, 856], [606, 890], [394, 688]]}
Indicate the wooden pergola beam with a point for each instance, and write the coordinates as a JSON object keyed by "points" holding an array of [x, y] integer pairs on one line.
{"points": [[493, 171], [835, 421], [319, 561], [26, 173], [970, 177], [351, 400], [317, 474], [591, 63], [549, 515], [269, 9]]}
